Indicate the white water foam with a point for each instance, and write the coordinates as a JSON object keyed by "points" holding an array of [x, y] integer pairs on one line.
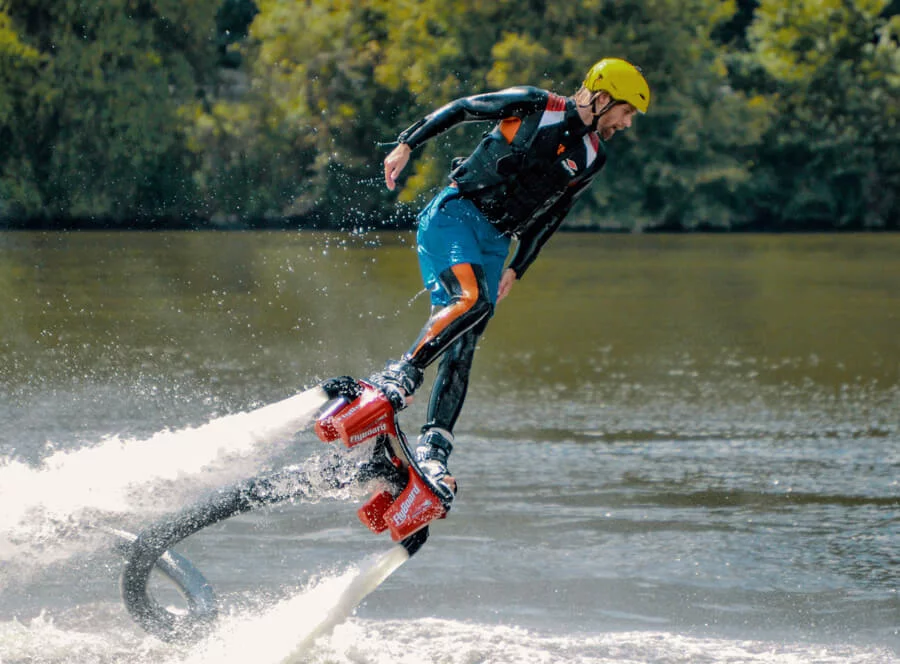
{"points": [[45, 507], [285, 631], [269, 638], [288, 631], [452, 642], [41, 641]]}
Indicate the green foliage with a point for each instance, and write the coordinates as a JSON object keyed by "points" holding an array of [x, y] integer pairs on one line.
{"points": [[334, 78], [232, 25], [96, 132], [686, 163], [302, 140], [19, 64], [834, 154], [765, 113]]}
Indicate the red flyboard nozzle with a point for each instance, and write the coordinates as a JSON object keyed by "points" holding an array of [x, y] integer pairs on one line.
{"points": [[372, 512], [414, 509], [324, 426], [371, 415]]}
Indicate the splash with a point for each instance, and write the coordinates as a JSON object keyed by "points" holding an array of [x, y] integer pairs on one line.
{"points": [[41, 640], [271, 636], [289, 630], [47, 508], [455, 642]]}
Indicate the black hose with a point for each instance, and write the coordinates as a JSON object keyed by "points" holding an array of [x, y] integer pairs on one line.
{"points": [[151, 546], [182, 573]]}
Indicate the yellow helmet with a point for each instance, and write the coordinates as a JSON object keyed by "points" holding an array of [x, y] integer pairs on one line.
{"points": [[622, 80]]}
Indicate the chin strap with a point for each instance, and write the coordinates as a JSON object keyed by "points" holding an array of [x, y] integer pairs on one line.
{"points": [[598, 114]]}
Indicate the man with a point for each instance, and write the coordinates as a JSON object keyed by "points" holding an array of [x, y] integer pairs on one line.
{"points": [[519, 182]]}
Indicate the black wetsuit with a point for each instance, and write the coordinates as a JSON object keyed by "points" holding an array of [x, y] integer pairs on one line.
{"points": [[523, 177]]}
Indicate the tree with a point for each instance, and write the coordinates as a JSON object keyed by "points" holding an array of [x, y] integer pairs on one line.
{"points": [[833, 156], [96, 134], [253, 112], [686, 164], [302, 140], [19, 64], [232, 26]]}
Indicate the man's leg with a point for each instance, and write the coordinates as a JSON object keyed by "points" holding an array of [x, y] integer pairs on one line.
{"points": [[461, 258], [452, 381], [447, 396], [469, 304]]}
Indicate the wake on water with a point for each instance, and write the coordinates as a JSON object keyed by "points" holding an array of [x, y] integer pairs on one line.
{"points": [[75, 500], [293, 626], [279, 636], [49, 511], [58, 510]]}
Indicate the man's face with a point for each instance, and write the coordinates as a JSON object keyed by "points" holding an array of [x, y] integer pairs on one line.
{"points": [[617, 118]]}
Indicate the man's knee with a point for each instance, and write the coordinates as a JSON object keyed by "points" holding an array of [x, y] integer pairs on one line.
{"points": [[469, 306], [467, 285]]}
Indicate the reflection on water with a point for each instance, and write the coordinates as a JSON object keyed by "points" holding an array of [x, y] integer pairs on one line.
{"points": [[630, 310], [693, 434]]}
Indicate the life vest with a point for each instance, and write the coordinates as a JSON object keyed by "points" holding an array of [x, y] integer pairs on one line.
{"points": [[525, 165]]}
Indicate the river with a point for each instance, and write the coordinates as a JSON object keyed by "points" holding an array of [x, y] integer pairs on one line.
{"points": [[675, 448]]}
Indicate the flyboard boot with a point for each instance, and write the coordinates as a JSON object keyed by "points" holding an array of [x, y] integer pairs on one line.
{"points": [[432, 451], [363, 411]]}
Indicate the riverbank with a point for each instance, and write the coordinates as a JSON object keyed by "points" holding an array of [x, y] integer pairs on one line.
{"points": [[403, 221]]}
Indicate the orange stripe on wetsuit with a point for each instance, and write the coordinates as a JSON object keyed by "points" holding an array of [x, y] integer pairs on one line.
{"points": [[509, 127], [469, 305]]}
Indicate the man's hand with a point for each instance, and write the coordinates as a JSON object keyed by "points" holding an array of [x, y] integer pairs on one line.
{"points": [[394, 163], [506, 283]]}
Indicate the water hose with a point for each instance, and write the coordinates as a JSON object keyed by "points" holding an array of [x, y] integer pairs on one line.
{"points": [[150, 549]]}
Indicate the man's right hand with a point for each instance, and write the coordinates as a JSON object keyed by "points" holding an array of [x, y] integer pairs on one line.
{"points": [[506, 283], [394, 163]]}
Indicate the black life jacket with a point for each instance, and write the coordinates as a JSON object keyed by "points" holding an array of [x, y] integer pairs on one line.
{"points": [[525, 165]]}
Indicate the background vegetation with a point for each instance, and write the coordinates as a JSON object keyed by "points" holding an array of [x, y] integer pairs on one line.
{"points": [[767, 115]]}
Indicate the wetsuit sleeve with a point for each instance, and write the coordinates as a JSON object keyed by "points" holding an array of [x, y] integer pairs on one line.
{"points": [[539, 231], [518, 101]]}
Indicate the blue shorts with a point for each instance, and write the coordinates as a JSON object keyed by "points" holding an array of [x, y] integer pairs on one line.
{"points": [[453, 231]]}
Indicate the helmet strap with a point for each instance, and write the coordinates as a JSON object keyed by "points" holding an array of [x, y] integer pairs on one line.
{"points": [[598, 114], [603, 111]]}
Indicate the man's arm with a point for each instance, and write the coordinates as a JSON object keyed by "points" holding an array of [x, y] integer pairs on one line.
{"points": [[539, 231], [512, 102], [518, 101]]}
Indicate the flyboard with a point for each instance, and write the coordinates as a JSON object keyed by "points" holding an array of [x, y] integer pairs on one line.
{"points": [[403, 502]]}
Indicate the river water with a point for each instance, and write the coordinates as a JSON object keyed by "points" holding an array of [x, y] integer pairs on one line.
{"points": [[675, 449]]}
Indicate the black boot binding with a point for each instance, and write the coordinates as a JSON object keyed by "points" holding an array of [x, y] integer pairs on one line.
{"points": [[361, 412], [399, 380], [431, 455]]}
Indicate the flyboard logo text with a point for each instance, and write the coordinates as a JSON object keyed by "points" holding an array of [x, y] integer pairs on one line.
{"points": [[359, 437], [407, 504]]}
